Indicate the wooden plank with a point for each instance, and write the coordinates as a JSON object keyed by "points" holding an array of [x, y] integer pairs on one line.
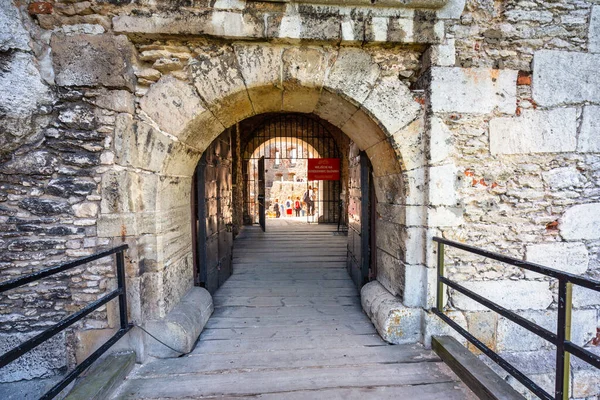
{"points": [[227, 322], [278, 332], [196, 364], [279, 381], [271, 301], [480, 378], [237, 346], [299, 311], [288, 291], [434, 391]]}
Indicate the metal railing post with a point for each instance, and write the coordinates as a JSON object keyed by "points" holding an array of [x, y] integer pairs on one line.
{"points": [[440, 273], [563, 358], [121, 283]]}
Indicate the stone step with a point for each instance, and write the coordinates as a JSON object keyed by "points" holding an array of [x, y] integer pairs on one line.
{"points": [[226, 322]]}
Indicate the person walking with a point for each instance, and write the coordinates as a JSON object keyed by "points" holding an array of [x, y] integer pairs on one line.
{"points": [[309, 199], [276, 209], [288, 207], [297, 206]]}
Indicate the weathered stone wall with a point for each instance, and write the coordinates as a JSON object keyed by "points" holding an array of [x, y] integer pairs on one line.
{"points": [[110, 107], [519, 174]]}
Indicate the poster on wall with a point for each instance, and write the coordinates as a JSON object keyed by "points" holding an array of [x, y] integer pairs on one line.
{"points": [[323, 169]]}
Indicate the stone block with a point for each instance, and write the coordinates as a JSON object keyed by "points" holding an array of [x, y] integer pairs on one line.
{"points": [[363, 131], [172, 104], [586, 384], [182, 325], [452, 10], [410, 145], [594, 30], [581, 222], [390, 238], [563, 178], [384, 159], [139, 145], [552, 131], [391, 104], [334, 109], [227, 98], [473, 90], [19, 104], [390, 272], [101, 60], [440, 140], [514, 295], [589, 134], [353, 75], [260, 67], [115, 100], [12, 32], [568, 257], [434, 326], [227, 24], [415, 245], [44, 361], [415, 286], [564, 77], [395, 323], [445, 216], [512, 337], [415, 192], [585, 298], [482, 325], [442, 55], [442, 185]]}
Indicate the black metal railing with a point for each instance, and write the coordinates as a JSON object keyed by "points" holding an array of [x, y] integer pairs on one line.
{"points": [[35, 341], [561, 339]]}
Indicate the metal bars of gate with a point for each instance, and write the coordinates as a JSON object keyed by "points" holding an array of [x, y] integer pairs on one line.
{"points": [[280, 130], [562, 339], [63, 324]]}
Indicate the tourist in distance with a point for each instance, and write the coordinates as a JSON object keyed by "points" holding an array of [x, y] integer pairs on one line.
{"points": [[288, 207], [297, 206]]}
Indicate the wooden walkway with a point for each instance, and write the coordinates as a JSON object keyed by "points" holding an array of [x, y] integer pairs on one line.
{"points": [[288, 325]]}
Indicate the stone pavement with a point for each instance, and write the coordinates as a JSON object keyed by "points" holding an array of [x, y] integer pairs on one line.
{"points": [[288, 324]]}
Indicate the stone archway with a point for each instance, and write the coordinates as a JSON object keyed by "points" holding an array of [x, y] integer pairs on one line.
{"points": [[177, 120]]}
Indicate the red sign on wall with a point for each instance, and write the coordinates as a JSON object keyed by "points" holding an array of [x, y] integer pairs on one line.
{"points": [[323, 169]]}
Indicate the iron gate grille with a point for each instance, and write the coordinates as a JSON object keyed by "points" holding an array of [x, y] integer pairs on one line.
{"points": [[287, 141]]}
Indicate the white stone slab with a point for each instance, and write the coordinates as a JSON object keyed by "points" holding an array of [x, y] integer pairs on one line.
{"points": [[514, 295], [473, 90], [567, 257], [581, 222], [561, 77], [12, 33], [589, 135], [564, 177], [511, 337], [440, 142], [552, 131], [442, 189], [594, 31]]}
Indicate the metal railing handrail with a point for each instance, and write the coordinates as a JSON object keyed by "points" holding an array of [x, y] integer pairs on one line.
{"points": [[35, 341], [562, 339]]}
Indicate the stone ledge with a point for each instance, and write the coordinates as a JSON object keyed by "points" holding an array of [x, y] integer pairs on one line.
{"points": [[182, 325], [103, 378], [481, 379], [401, 26], [395, 323]]}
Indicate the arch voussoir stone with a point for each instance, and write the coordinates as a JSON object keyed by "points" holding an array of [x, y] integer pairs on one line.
{"points": [[260, 66], [221, 85], [303, 74], [353, 75]]}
